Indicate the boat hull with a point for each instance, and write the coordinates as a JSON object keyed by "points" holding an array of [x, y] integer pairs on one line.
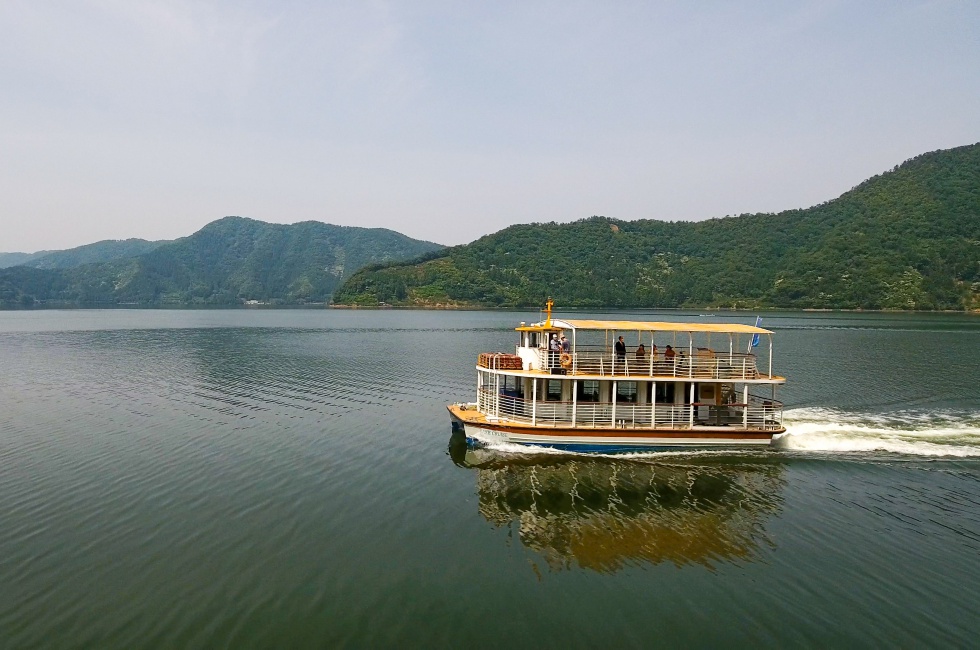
{"points": [[604, 440]]}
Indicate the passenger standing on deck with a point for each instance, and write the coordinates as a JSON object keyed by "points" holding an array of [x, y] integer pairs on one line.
{"points": [[620, 349], [669, 354], [555, 349], [566, 346]]}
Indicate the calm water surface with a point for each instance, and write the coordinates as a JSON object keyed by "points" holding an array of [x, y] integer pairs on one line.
{"points": [[288, 479]]}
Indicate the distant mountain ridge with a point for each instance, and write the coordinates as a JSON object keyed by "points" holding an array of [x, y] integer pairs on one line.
{"points": [[101, 251], [16, 259], [229, 261], [906, 239]]}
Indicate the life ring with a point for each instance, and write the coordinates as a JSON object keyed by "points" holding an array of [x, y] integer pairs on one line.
{"points": [[565, 360]]}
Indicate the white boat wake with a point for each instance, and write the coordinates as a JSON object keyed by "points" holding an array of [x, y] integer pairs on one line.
{"points": [[910, 433], [914, 433]]}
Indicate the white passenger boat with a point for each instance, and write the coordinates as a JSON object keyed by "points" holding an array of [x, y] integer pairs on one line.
{"points": [[665, 385]]}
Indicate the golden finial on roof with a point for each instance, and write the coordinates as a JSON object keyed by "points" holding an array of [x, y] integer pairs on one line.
{"points": [[548, 304]]}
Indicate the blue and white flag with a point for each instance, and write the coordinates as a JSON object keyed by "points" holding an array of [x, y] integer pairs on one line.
{"points": [[755, 337]]}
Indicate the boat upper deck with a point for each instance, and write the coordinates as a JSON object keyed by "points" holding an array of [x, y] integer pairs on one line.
{"points": [[703, 365], [585, 348]]}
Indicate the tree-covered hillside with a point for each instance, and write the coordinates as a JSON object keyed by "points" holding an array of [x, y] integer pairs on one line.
{"points": [[101, 251], [16, 259], [227, 262], [907, 239]]}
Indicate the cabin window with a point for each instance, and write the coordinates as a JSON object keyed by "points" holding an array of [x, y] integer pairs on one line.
{"points": [[728, 395], [553, 393], [512, 386], [626, 391], [588, 390], [664, 393]]}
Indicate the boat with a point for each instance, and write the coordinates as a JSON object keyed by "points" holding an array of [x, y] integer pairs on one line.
{"points": [[671, 385]]}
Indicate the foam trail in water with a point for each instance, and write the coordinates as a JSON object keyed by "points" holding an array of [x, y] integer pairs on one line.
{"points": [[916, 433], [913, 433]]}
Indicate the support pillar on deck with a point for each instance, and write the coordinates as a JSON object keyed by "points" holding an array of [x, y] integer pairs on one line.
{"points": [[745, 409], [691, 402], [574, 399], [614, 391], [534, 402]]}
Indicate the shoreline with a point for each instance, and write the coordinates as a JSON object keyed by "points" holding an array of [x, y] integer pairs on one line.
{"points": [[446, 307]]}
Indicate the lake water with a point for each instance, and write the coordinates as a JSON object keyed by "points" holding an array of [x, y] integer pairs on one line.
{"points": [[255, 479]]}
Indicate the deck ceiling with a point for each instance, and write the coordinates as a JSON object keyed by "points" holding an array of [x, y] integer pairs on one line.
{"points": [[647, 326]]}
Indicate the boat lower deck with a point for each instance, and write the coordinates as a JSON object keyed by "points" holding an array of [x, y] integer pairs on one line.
{"points": [[483, 428]]}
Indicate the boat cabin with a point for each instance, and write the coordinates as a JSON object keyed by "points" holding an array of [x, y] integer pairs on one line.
{"points": [[633, 374]]}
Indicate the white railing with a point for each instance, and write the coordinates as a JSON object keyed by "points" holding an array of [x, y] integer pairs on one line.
{"points": [[758, 414], [765, 413], [702, 364]]}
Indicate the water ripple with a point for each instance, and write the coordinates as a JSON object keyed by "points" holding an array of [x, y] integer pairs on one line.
{"points": [[270, 479]]}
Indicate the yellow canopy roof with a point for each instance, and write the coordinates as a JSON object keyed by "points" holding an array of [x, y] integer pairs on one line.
{"points": [[647, 326]]}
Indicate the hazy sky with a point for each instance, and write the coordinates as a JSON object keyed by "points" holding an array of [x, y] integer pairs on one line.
{"points": [[450, 120]]}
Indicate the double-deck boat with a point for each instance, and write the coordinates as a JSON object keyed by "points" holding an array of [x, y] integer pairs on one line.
{"points": [[671, 384]]}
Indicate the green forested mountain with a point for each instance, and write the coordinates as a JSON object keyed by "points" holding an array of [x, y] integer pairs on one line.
{"points": [[16, 259], [101, 251], [907, 239], [227, 262]]}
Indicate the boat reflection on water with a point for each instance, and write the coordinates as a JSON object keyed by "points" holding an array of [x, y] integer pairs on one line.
{"points": [[604, 513]]}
